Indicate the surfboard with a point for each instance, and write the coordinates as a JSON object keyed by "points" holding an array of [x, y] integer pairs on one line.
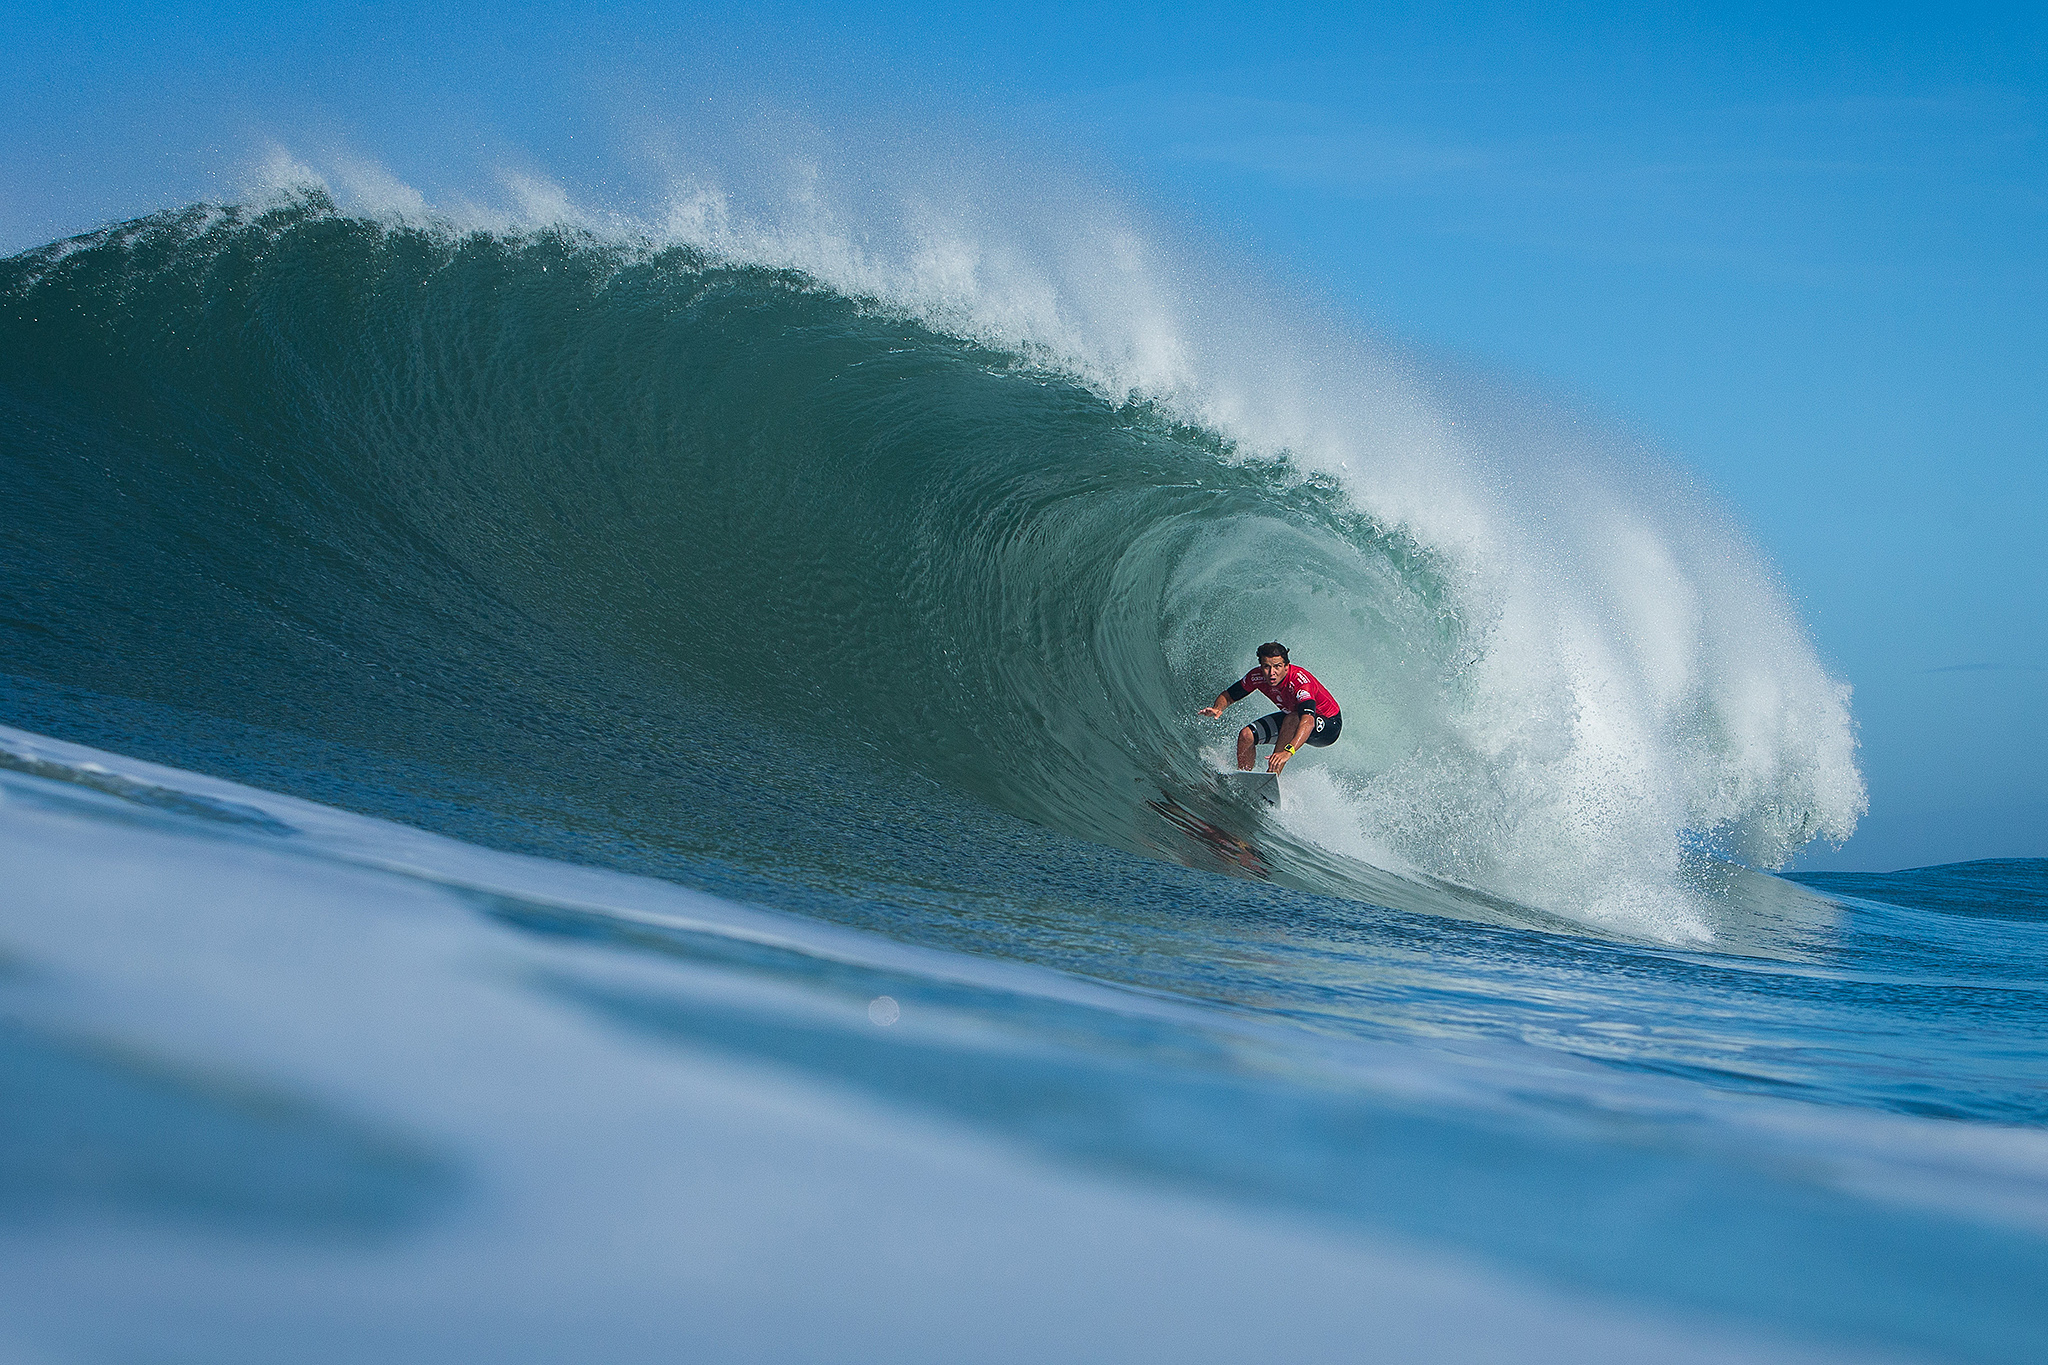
{"points": [[1259, 786]]}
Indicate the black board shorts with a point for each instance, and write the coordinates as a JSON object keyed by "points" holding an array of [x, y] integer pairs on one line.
{"points": [[1266, 730]]}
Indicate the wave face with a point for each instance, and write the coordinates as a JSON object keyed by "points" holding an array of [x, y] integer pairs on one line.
{"points": [[554, 505]]}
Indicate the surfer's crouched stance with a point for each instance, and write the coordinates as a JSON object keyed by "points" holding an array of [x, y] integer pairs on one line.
{"points": [[1308, 714]]}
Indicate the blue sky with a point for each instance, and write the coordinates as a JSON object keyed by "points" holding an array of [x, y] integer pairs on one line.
{"points": [[1802, 249]]}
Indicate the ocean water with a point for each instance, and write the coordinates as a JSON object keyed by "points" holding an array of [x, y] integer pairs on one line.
{"points": [[616, 792]]}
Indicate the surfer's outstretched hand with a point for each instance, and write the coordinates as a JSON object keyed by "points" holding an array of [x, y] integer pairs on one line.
{"points": [[1210, 711]]}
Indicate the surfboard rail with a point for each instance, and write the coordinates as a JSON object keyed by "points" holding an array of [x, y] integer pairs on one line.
{"points": [[1262, 787]]}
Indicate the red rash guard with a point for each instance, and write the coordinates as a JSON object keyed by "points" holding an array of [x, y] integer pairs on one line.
{"points": [[1296, 691]]}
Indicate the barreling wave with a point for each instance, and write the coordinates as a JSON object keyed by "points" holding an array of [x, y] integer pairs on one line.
{"points": [[408, 485]]}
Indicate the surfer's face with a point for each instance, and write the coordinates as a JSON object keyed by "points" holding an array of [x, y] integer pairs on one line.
{"points": [[1276, 668]]}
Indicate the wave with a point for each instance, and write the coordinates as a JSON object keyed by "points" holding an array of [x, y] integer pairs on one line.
{"points": [[953, 526]]}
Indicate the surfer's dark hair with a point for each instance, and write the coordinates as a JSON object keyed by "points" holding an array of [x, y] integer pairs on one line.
{"points": [[1272, 647]]}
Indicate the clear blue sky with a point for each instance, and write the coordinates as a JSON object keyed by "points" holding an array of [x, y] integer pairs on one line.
{"points": [[1804, 249]]}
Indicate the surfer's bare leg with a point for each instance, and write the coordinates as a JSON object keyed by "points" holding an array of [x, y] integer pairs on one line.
{"points": [[1245, 745]]}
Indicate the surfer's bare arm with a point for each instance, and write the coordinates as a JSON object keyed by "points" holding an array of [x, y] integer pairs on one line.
{"points": [[1216, 708], [1294, 730]]}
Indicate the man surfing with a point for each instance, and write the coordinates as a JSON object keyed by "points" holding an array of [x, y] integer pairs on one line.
{"points": [[1308, 714]]}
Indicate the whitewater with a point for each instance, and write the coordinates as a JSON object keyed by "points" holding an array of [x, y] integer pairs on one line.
{"points": [[614, 787]]}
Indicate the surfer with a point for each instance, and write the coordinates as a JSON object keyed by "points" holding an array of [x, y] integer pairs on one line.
{"points": [[1308, 714]]}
